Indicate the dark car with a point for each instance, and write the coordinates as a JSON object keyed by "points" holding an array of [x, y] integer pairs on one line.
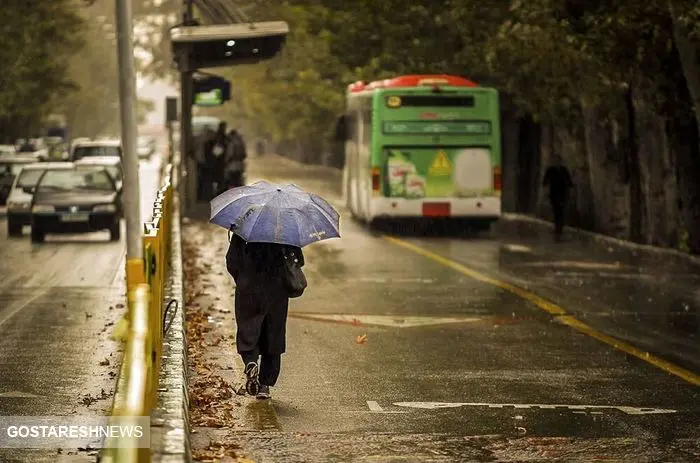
{"points": [[78, 200]]}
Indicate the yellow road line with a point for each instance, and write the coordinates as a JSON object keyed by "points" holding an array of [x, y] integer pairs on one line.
{"points": [[553, 309]]}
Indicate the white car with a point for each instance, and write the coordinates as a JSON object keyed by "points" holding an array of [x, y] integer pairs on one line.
{"points": [[19, 200], [145, 147], [8, 150], [92, 148], [112, 165]]}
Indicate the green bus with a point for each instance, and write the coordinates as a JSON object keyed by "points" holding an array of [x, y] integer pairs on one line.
{"points": [[422, 146]]}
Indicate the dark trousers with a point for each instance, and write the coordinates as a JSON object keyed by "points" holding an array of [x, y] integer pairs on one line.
{"points": [[270, 366], [558, 211]]}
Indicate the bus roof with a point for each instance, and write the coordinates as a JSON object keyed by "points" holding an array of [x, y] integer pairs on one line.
{"points": [[413, 80]]}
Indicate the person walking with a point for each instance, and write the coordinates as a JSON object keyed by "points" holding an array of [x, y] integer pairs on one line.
{"points": [[261, 305], [558, 179]]}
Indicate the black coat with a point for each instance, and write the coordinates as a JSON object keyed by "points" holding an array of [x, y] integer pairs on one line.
{"points": [[261, 300]]}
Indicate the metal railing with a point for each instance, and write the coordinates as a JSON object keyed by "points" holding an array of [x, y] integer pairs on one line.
{"points": [[142, 328]]}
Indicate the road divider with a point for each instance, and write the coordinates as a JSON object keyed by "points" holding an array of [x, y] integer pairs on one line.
{"points": [[142, 328], [560, 315]]}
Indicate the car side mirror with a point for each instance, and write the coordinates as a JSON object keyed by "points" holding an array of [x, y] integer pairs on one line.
{"points": [[28, 189]]}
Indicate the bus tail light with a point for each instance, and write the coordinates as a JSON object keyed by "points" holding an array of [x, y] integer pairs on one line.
{"points": [[376, 179], [497, 183]]}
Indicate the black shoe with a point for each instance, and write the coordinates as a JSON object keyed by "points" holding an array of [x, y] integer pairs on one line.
{"points": [[264, 392], [252, 385]]}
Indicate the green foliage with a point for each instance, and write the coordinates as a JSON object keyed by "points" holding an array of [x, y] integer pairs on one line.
{"points": [[549, 57], [37, 39], [295, 96]]}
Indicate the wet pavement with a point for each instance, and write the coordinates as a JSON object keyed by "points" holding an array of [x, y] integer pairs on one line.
{"points": [[504, 346], [58, 303]]}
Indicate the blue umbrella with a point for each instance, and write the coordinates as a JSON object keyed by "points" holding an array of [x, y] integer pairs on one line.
{"points": [[267, 213]]}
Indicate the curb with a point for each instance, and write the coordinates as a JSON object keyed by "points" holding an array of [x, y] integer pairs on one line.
{"points": [[512, 217], [170, 433]]}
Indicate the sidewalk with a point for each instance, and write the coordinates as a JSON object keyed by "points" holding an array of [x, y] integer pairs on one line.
{"points": [[214, 367]]}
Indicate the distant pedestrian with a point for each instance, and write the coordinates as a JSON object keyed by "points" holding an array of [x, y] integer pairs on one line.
{"points": [[235, 160], [214, 150], [261, 304], [203, 174], [558, 179]]}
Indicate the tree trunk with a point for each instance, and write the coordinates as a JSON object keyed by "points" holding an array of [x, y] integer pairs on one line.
{"points": [[509, 161], [637, 219], [684, 137], [609, 193], [529, 161], [690, 64]]}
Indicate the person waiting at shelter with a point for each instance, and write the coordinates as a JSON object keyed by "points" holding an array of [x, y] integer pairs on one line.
{"points": [[214, 150], [235, 160]]}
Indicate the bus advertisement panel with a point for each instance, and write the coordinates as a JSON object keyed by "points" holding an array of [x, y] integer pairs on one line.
{"points": [[420, 172]]}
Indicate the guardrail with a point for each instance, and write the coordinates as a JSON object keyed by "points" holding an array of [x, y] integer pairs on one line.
{"points": [[142, 328]]}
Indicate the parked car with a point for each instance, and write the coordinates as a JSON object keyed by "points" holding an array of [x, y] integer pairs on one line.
{"points": [[8, 150], [82, 199], [92, 148], [146, 147], [19, 200], [10, 166], [33, 147]]}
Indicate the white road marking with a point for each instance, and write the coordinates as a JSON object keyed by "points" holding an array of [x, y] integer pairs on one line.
{"points": [[374, 407], [517, 248], [392, 280], [624, 409], [18, 394], [574, 264], [394, 321]]}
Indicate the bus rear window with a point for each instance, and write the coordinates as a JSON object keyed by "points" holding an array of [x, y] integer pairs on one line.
{"points": [[432, 101]]}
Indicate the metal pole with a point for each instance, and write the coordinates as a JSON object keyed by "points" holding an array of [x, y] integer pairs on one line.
{"points": [[190, 166], [127, 109]]}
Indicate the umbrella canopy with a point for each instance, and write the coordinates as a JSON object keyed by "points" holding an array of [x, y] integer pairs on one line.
{"points": [[268, 213]]}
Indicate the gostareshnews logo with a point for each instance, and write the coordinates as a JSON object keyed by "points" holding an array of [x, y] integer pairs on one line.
{"points": [[35, 432]]}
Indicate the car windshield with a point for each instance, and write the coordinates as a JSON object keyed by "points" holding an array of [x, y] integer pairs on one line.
{"points": [[69, 179], [91, 151], [28, 178]]}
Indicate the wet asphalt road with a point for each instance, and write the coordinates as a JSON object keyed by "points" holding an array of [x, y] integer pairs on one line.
{"points": [[455, 368], [58, 304]]}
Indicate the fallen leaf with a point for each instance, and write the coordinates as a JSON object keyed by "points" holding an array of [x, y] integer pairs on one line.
{"points": [[361, 339]]}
